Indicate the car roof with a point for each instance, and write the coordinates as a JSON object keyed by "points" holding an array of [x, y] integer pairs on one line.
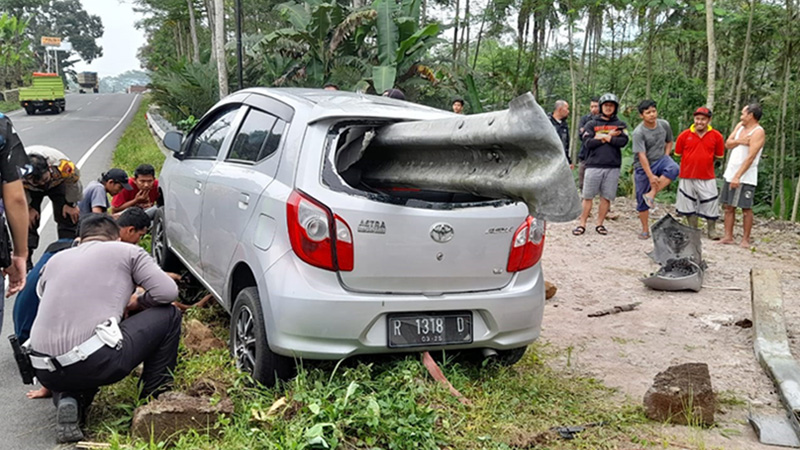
{"points": [[324, 104]]}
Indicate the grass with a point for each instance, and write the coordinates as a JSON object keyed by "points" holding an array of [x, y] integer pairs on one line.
{"points": [[8, 106], [387, 403], [137, 146]]}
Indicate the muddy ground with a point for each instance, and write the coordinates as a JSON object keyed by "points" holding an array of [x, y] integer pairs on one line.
{"points": [[627, 350]]}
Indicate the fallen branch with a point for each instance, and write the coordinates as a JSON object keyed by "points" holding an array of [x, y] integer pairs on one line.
{"points": [[437, 375], [615, 310]]}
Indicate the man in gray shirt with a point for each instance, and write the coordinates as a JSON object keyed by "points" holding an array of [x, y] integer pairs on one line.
{"points": [[653, 167], [89, 285], [95, 196]]}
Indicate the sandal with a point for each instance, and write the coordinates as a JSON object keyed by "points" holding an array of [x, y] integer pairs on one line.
{"points": [[601, 230], [579, 231], [650, 202], [644, 235]]}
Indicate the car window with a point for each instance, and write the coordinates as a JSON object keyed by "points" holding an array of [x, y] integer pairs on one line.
{"points": [[252, 135], [274, 139], [208, 140]]}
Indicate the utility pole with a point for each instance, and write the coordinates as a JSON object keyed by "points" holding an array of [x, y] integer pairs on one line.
{"points": [[239, 56]]}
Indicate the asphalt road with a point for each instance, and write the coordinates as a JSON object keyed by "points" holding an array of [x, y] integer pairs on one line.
{"points": [[87, 132]]}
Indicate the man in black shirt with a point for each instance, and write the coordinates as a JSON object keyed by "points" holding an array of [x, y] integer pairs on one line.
{"points": [[559, 120], [594, 110], [13, 160]]}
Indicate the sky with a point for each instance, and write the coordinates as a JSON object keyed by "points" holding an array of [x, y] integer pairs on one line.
{"points": [[120, 40]]}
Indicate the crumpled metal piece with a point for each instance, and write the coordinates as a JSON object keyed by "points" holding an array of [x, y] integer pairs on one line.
{"points": [[677, 248], [512, 154]]}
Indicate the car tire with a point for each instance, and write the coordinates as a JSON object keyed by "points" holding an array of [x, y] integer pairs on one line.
{"points": [[164, 257], [248, 342], [30, 110]]}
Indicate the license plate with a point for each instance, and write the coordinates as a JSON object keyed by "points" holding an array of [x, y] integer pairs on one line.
{"points": [[416, 330]]}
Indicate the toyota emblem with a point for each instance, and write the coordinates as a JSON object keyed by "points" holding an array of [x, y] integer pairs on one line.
{"points": [[442, 232]]}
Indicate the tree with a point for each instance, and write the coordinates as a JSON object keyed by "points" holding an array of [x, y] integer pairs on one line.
{"points": [[193, 32], [219, 47], [711, 81]]}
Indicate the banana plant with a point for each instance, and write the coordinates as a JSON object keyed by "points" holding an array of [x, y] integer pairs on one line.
{"points": [[401, 44]]}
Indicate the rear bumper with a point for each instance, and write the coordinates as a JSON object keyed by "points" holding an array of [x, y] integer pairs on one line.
{"points": [[39, 104], [309, 315]]}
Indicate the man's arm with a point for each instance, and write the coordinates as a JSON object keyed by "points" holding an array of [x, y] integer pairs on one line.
{"points": [[733, 142], [679, 145], [669, 141], [16, 206], [756, 143], [158, 286]]}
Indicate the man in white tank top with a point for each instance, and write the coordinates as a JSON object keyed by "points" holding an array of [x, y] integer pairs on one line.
{"points": [[741, 175]]}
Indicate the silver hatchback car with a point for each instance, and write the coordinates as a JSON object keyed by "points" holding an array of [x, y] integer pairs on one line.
{"points": [[271, 203]]}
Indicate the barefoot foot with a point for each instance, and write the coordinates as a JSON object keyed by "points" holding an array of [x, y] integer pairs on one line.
{"points": [[725, 241], [745, 244]]}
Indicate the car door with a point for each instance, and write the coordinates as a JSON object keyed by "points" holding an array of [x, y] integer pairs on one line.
{"points": [[184, 202], [234, 187]]}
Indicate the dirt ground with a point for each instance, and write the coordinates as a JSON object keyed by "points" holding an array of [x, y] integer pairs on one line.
{"points": [[626, 350]]}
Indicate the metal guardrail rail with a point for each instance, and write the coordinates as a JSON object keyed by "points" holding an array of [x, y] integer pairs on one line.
{"points": [[771, 345]]}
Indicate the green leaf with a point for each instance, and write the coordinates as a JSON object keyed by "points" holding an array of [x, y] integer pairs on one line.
{"points": [[314, 408], [296, 14], [387, 32], [351, 389], [428, 31], [383, 77], [472, 94]]}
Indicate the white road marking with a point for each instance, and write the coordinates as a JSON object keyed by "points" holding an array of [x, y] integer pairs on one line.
{"points": [[47, 212], [25, 129]]}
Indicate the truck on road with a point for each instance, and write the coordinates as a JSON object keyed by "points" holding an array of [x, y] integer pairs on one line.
{"points": [[88, 80], [46, 93]]}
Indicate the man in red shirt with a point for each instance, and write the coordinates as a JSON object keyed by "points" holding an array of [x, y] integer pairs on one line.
{"points": [[144, 193], [699, 147]]}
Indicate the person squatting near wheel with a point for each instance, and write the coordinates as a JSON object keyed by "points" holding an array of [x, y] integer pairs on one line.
{"points": [[699, 147], [51, 174], [13, 210], [77, 340]]}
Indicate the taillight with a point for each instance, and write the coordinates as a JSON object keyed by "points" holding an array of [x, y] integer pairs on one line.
{"points": [[527, 246], [317, 236]]}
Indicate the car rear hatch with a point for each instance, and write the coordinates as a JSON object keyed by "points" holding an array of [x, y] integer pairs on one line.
{"points": [[400, 249]]}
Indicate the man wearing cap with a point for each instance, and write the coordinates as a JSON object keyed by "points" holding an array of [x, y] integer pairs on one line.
{"points": [[95, 196], [604, 137], [698, 147], [51, 174]]}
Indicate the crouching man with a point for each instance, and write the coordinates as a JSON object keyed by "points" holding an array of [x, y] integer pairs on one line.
{"points": [[77, 346]]}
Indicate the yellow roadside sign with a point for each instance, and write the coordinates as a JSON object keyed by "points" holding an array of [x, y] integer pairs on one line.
{"points": [[48, 40]]}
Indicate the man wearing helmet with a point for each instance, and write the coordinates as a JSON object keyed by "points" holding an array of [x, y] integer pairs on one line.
{"points": [[51, 174], [603, 137]]}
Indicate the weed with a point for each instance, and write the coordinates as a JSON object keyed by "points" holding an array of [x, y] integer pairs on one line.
{"points": [[136, 146], [8, 106]]}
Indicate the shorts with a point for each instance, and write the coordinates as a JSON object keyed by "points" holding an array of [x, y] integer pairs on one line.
{"points": [[741, 197], [698, 197], [665, 166], [600, 180]]}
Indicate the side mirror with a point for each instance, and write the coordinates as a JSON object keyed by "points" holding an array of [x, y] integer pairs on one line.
{"points": [[173, 140]]}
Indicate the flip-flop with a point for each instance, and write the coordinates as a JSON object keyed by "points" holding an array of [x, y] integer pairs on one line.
{"points": [[601, 230], [645, 235], [579, 231], [650, 202]]}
